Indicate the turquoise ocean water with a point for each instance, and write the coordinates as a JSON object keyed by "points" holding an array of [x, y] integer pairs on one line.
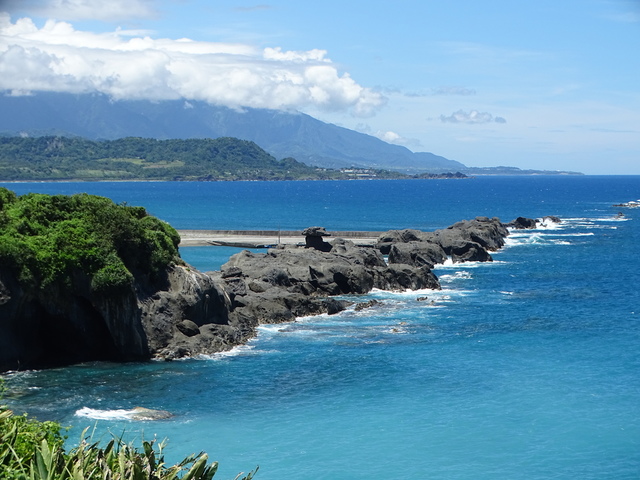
{"points": [[527, 367]]}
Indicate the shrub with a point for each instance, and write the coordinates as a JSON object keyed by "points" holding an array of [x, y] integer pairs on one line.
{"points": [[112, 278], [48, 238]]}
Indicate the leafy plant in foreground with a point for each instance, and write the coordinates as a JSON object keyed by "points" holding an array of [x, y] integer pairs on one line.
{"points": [[33, 450]]}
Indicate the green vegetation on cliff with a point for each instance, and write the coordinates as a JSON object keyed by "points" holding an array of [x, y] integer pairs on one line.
{"points": [[86, 238]]}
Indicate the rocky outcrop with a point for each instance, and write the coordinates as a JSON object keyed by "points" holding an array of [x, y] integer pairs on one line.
{"points": [[465, 241], [184, 312], [62, 324], [313, 238], [523, 223], [291, 281]]}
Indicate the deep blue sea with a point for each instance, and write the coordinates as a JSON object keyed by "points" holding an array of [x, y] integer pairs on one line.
{"points": [[524, 368]]}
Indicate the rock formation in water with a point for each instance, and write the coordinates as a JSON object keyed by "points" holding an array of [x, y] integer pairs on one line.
{"points": [[178, 311]]}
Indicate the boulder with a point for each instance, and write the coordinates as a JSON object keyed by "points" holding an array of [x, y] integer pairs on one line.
{"points": [[147, 414], [313, 238], [488, 233], [417, 254], [188, 328], [469, 252], [392, 237], [522, 223], [468, 240], [400, 277]]}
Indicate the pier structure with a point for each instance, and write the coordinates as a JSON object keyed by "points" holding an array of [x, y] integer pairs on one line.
{"points": [[265, 238]]}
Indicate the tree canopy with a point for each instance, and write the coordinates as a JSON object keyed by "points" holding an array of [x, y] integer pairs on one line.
{"points": [[51, 238]]}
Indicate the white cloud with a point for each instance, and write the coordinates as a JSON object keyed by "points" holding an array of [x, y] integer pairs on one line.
{"points": [[388, 136], [127, 64], [111, 10], [471, 117], [396, 139]]}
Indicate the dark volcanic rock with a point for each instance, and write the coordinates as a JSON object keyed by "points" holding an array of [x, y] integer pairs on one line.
{"points": [[465, 251], [41, 327], [522, 223], [465, 241], [61, 325], [417, 254], [288, 282], [400, 276], [486, 232], [313, 238], [392, 237], [188, 328]]}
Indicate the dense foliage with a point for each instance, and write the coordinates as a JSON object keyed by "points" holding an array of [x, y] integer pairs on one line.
{"points": [[64, 158], [56, 238], [33, 450]]}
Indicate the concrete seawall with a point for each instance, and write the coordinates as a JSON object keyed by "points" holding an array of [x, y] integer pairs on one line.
{"points": [[264, 238]]}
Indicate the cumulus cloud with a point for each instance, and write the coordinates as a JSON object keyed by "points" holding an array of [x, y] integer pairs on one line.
{"points": [[396, 139], [389, 136], [111, 10], [471, 117], [132, 65]]}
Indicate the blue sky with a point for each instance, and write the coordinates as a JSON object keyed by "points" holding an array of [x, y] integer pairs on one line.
{"points": [[534, 84]]}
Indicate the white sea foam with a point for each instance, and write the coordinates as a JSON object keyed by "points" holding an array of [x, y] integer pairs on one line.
{"points": [[538, 238], [377, 293], [240, 350], [460, 275], [447, 263], [273, 328], [546, 224], [118, 414], [466, 265]]}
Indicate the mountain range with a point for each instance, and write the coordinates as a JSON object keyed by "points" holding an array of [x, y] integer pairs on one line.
{"points": [[282, 134]]}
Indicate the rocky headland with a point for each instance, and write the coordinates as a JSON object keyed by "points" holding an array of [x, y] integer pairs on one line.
{"points": [[180, 312]]}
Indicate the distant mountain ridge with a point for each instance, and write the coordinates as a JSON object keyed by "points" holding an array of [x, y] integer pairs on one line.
{"points": [[282, 134]]}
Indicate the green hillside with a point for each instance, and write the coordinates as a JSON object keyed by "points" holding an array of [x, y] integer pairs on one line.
{"points": [[64, 158]]}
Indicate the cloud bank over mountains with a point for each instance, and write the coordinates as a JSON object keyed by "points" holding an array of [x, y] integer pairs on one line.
{"points": [[129, 64]]}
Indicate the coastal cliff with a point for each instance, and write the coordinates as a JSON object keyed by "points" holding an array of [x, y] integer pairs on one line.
{"points": [[84, 279]]}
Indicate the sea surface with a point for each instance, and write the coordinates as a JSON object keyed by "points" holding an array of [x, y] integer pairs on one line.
{"points": [[524, 368]]}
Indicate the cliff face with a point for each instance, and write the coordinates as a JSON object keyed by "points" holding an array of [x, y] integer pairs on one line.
{"points": [[64, 324], [51, 326]]}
